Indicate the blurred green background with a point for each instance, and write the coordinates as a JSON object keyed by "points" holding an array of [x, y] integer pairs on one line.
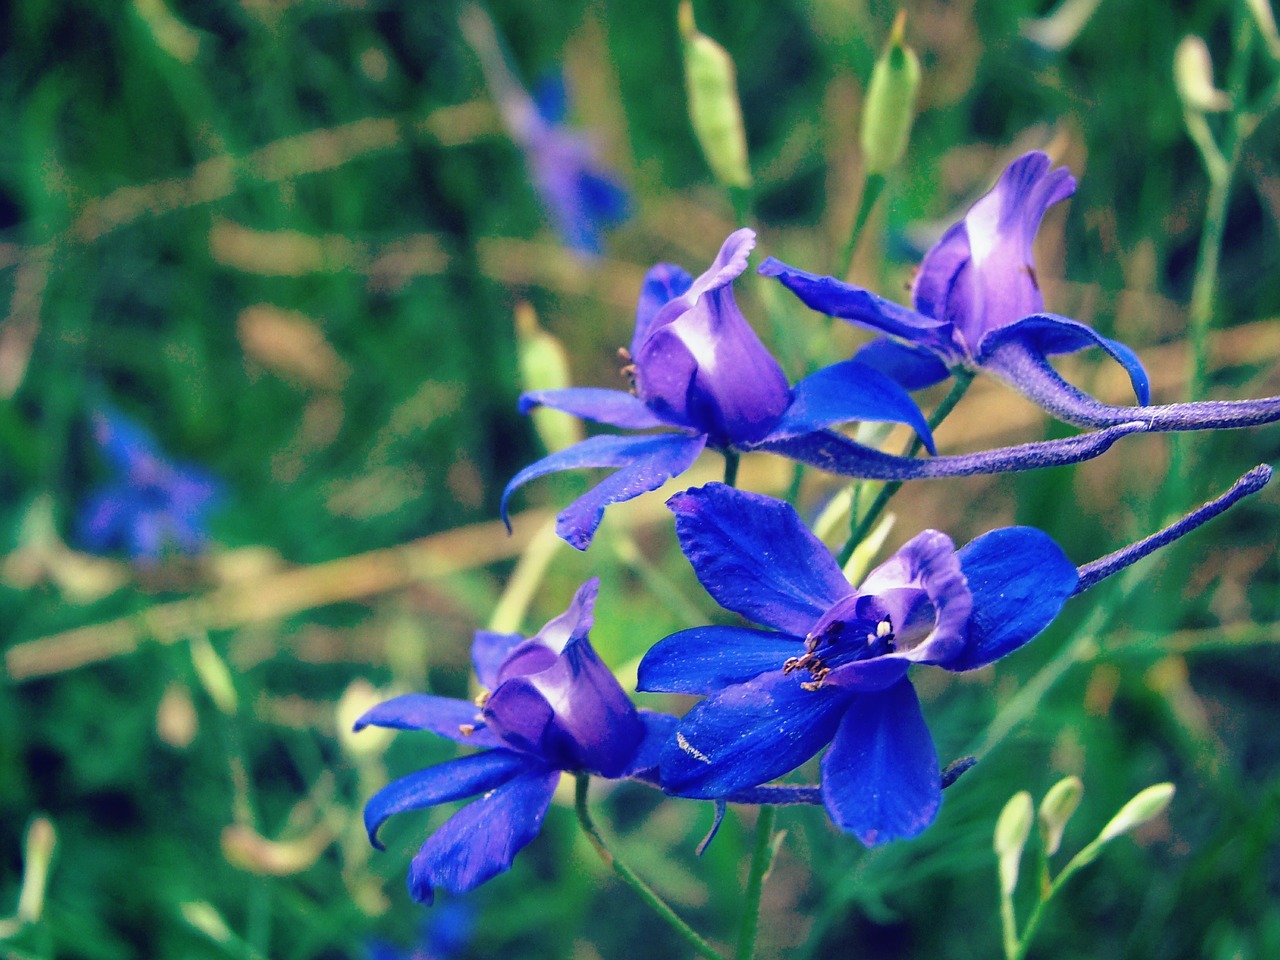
{"points": [[289, 238]]}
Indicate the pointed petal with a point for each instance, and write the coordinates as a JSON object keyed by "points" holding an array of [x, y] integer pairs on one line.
{"points": [[727, 267], [540, 651], [749, 734], [488, 650], [442, 716], [756, 557], [662, 284], [613, 407], [845, 392], [706, 659], [912, 368], [880, 779], [1019, 578], [481, 840], [453, 780]]}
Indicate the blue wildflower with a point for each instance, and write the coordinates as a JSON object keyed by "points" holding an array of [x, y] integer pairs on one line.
{"points": [[554, 707], [832, 667], [152, 505], [700, 370], [978, 307]]}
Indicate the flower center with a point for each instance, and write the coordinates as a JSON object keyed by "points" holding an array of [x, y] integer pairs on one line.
{"points": [[837, 642]]}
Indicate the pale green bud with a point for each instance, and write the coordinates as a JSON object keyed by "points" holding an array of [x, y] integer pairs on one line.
{"points": [[1012, 829], [1056, 809], [714, 110], [891, 103], [214, 675], [544, 365], [1143, 808], [42, 839], [1193, 77]]}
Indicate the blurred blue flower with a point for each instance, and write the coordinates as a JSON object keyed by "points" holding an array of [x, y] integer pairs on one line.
{"points": [[554, 707], [445, 933], [699, 369], [153, 505], [978, 306]]}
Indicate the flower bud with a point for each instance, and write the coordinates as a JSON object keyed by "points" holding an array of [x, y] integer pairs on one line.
{"points": [[544, 365], [891, 103], [246, 849], [1012, 829], [354, 703], [1056, 809], [714, 110], [1143, 808], [42, 839], [214, 675], [1193, 77]]}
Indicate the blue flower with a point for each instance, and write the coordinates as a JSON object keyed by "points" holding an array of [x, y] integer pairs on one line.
{"points": [[444, 934], [699, 369], [832, 667], [978, 306], [153, 505], [554, 706]]}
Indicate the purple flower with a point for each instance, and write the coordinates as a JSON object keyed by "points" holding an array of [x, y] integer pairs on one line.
{"points": [[554, 706], [832, 667], [978, 306], [153, 505], [700, 370]]}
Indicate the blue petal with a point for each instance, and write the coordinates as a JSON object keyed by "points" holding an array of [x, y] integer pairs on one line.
{"points": [[845, 392], [453, 780], [706, 659], [480, 840], [880, 779], [662, 284], [442, 716], [756, 557], [912, 368], [658, 729], [749, 734], [1019, 578], [1045, 334], [647, 463], [551, 97], [488, 651], [613, 407]]}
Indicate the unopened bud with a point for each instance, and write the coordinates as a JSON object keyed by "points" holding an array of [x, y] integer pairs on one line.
{"points": [[712, 84], [891, 103], [214, 675], [1193, 77], [38, 856], [544, 365], [1012, 829], [1143, 808], [205, 918], [1056, 809], [360, 697]]}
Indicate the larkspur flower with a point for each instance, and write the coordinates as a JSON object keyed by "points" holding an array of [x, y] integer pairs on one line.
{"points": [[978, 307], [832, 667], [152, 505], [554, 706], [701, 371]]}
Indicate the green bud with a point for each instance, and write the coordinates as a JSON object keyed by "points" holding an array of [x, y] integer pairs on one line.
{"points": [[214, 675], [1143, 808], [1012, 829], [891, 103], [1193, 76], [714, 110], [42, 839], [544, 365], [1056, 809]]}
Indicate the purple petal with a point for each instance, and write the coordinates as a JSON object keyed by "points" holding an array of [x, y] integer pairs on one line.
{"points": [[613, 407], [1019, 578], [705, 659], [837, 299], [749, 734], [727, 267], [912, 368], [880, 779], [574, 624], [868, 676], [845, 392], [453, 780], [488, 651], [442, 716], [480, 840], [662, 284], [756, 557]]}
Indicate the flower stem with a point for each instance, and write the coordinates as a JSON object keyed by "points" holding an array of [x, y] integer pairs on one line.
{"points": [[625, 874], [761, 861], [731, 459], [872, 187]]}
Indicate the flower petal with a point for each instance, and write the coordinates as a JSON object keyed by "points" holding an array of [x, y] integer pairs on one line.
{"points": [[540, 651], [662, 284], [453, 780], [613, 407], [880, 779], [488, 651], [749, 734], [706, 659], [912, 368], [756, 557], [658, 729], [1019, 578], [442, 716], [845, 392], [727, 267], [480, 840]]}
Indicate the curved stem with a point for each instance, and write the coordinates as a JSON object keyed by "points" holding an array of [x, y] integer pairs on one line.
{"points": [[625, 874], [761, 861], [872, 187]]}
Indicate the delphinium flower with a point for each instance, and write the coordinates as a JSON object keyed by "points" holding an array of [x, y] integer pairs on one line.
{"points": [[552, 706], [832, 667], [152, 505], [977, 307], [698, 369], [582, 198]]}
